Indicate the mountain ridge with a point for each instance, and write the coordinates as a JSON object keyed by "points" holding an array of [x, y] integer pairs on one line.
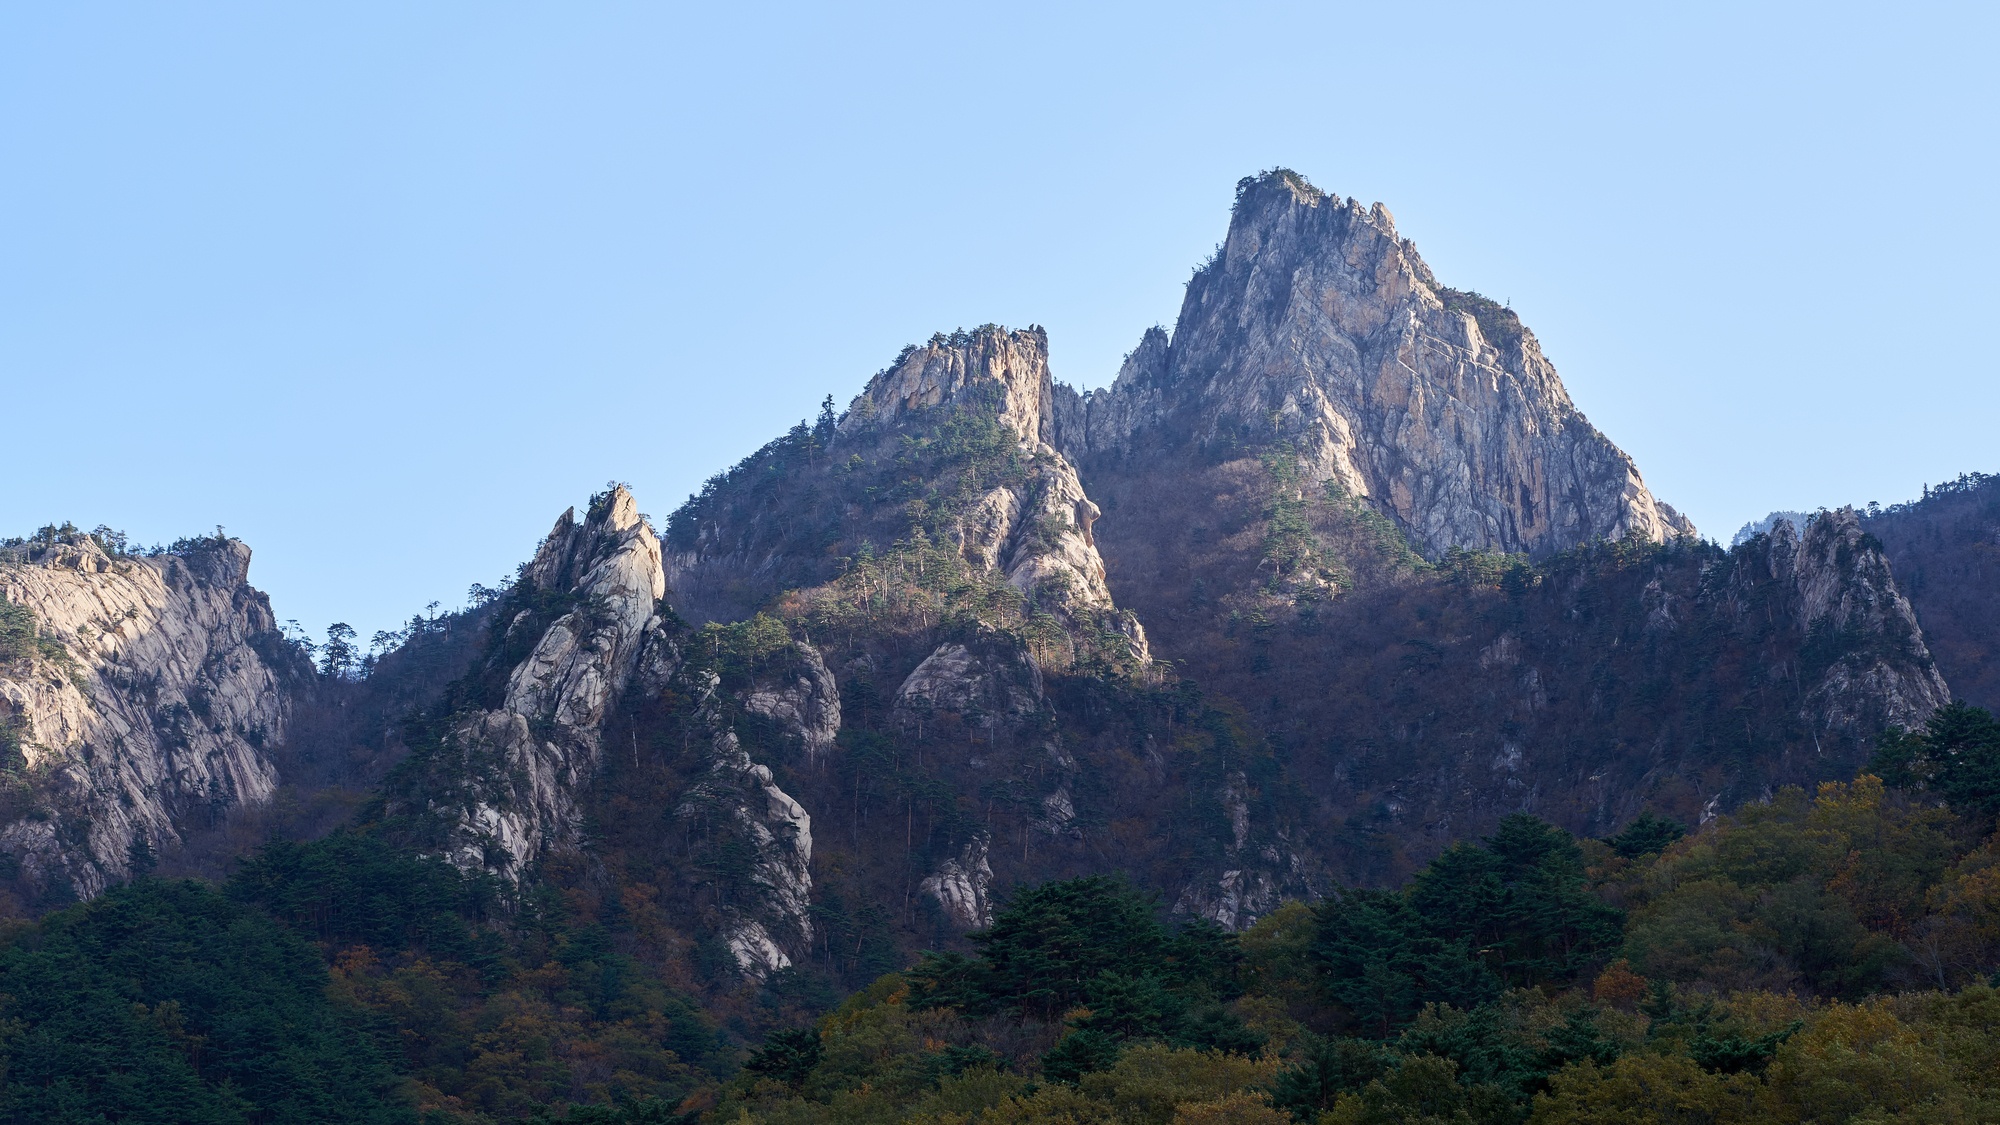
{"points": [[1316, 324]]}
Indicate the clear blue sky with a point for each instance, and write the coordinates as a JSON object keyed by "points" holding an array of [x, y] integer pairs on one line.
{"points": [[382, 288]]}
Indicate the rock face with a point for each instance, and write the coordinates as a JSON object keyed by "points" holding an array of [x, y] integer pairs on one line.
{"points": [[1038, 531], [774, 910], [1845, 589], [806, 701], [528, 757], [780, 520], [1009, 369], [987, 684], [962, 887], [1763, 526], [148, 708], [510, 782], [1317, 325], [1262, 866]]}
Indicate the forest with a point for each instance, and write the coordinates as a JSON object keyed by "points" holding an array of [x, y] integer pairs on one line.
{"points": [[1823, 956]]}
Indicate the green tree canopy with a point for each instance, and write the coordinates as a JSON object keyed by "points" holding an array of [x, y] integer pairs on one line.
{"points": [[166, 1002]]}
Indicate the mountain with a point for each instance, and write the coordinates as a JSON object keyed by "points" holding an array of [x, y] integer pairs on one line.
{"points": [[1333, 580], [1946, 551], [526, 733], [1247, 619], [141, 699], [1678, 678], [947, 601], [501, 782], [948, 448], [1316, 325]]}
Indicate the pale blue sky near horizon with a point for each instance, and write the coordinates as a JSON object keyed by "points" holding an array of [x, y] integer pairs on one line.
{"points": [[382, 288]]}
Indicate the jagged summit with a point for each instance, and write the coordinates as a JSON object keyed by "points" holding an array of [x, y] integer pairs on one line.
{"points": [[948, 446], [1318, 325], [568, 644], [1011, 366]]}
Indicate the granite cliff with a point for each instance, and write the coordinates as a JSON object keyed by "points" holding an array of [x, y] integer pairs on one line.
{"points": [[564, 650], [141, 701], [885, 683], [501, 782], [892, 663], [1318, 326], [948, 448]]}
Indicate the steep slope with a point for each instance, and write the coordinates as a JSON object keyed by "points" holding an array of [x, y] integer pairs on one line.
{"points": [[140, 698], [1946, 552], [1318, 326], [1675, 677], [876, 673], [1300, 492], [946, 450], [563, 648], [503, 772]]}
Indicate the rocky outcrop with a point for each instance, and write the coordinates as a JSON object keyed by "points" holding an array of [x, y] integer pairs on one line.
{"points": [[1848, 604], [1007, 372], [803, 699], [528, 757], [511, 779], [1763, 526], [1037, 531], [962, 886], [772, 910], [987, 683], [1318, 325], [1261, 869], [148, 707], [970, 415]]}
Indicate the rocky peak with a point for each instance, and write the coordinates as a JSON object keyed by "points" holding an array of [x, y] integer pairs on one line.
{"points": [[580, 642], [611, 566], [1318, 325], [1008, 368], [525, 760], [1038, 532], [571, 549], [916, 460]]}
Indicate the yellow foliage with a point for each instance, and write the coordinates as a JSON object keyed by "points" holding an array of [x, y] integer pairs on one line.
{"points": [[1051, 1105], [1928, 1057], [1646, 1090], [1850, 1060], [1764, 1012], [969, 1094], [1231, 1109], [1150, 1081], [1961, 939], [1275, 949]]}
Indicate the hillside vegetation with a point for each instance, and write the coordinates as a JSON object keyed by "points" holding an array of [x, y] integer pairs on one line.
{"points": [[1823, 957], [1946, 548]]}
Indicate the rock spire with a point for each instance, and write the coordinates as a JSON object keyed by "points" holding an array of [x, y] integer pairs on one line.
{"points": [[1318, 325]]}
